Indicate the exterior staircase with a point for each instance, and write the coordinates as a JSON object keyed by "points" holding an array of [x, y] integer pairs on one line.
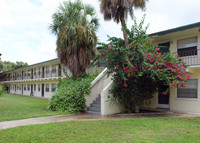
{"points": [[95, 107]]}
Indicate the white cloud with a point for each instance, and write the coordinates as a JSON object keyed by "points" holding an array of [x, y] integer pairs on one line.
{"points": [[24, 33]]}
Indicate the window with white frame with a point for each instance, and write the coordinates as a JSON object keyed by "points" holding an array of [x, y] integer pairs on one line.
{"points": [[28, 87], [190, 91], [39, 71], [34, 87], [53, 68], [38, 87], [47, 87], [53, 87], [24, 87], [187, 47], [47, 69]]}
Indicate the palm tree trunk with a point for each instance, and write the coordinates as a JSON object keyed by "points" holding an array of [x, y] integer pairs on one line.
{"points": [[124, 31]]}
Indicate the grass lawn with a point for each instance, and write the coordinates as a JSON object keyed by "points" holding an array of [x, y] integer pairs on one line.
{"points": [[140, 130], [14, 107]]}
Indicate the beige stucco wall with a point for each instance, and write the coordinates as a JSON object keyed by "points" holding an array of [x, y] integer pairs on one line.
{"points": [[107, 106], [185, 104], [181, 104]]}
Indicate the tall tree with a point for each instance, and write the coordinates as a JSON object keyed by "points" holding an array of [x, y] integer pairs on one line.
{"points": [[75, 25], [118, 10], [7, 65]]}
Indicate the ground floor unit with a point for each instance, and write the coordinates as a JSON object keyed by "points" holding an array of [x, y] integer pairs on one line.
{"points": [[181, 99], [43, 89]]}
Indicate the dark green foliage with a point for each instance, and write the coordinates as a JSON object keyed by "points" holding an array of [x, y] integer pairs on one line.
{"points": [[2, 89], [139, 69], [70, 96], [7, 65]]}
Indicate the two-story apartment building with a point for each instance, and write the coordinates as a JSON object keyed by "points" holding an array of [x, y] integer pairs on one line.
{"points": [[35, 80], [184, 41], [40, 79]]}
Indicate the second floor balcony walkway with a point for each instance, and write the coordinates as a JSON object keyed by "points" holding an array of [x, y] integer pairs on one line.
{"points": [[22, 76]]}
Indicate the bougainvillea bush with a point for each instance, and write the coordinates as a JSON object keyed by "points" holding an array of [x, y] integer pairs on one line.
{"points": [[140, 69]]}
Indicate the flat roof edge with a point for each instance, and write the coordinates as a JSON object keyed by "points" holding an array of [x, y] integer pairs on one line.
{"points": [[181, 28], [33, 65]]}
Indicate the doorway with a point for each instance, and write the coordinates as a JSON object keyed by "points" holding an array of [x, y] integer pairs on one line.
{"points": [[59, 70], [22, 88], [31, 90], [163, 99], [42, 72], [43, 90]]}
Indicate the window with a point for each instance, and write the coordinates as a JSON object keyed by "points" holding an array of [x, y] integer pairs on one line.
{"points": [[38, 71], [28, 87], [34, 87], [34, 71], [47, 87], [38, 87], [190, 91], [24, 87], [187, 47], [53, 87], [19, 86], [54, 69], [29, 73], [47, 69]]}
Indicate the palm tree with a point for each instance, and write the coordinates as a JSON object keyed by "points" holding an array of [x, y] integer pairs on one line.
{"points": [[118, 10], [75, 25]]}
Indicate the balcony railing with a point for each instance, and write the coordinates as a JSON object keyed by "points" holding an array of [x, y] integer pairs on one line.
{"points": [[34, 75], [191, 57]]}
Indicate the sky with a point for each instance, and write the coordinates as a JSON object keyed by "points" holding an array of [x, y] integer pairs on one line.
{"points": [[25, 34]]}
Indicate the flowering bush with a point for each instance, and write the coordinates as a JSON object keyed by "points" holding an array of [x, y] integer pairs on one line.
{"points": [[139, 69]]}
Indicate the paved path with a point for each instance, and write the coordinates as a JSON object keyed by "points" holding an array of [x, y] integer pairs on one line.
{"points": [[85, 116]]}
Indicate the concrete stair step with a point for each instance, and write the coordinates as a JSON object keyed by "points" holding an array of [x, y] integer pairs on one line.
{"points": [[92, 112], [95, 107]]}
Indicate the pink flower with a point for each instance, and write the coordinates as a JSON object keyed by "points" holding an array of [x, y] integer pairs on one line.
{"points": [[170, 86], [180, 59], [157, 53], [164, 93], [105, 53], [188, 77], [148, 55], [157, 49], [125, 85], [152, 39], [155, 68], [160, 67], [136, 70], [177, 56], [135, 46], [117, 66], [110, 47]]}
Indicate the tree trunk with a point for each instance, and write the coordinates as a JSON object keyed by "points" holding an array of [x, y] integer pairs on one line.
{"points": [[124, 31]]}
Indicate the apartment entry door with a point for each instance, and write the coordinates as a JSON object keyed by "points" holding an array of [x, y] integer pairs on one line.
{"points": [[163, 99], [22, 88], [42, 90], [31, 94]]}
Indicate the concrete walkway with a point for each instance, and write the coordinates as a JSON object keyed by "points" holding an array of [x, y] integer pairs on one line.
{"points": [[85, 116]]}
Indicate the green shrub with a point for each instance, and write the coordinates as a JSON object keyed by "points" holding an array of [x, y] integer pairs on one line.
{"points": [[69, 96], [2, 89]]}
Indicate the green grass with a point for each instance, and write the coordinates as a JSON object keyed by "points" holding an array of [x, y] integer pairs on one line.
{"points": [[15, 107], [140, 130]]}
